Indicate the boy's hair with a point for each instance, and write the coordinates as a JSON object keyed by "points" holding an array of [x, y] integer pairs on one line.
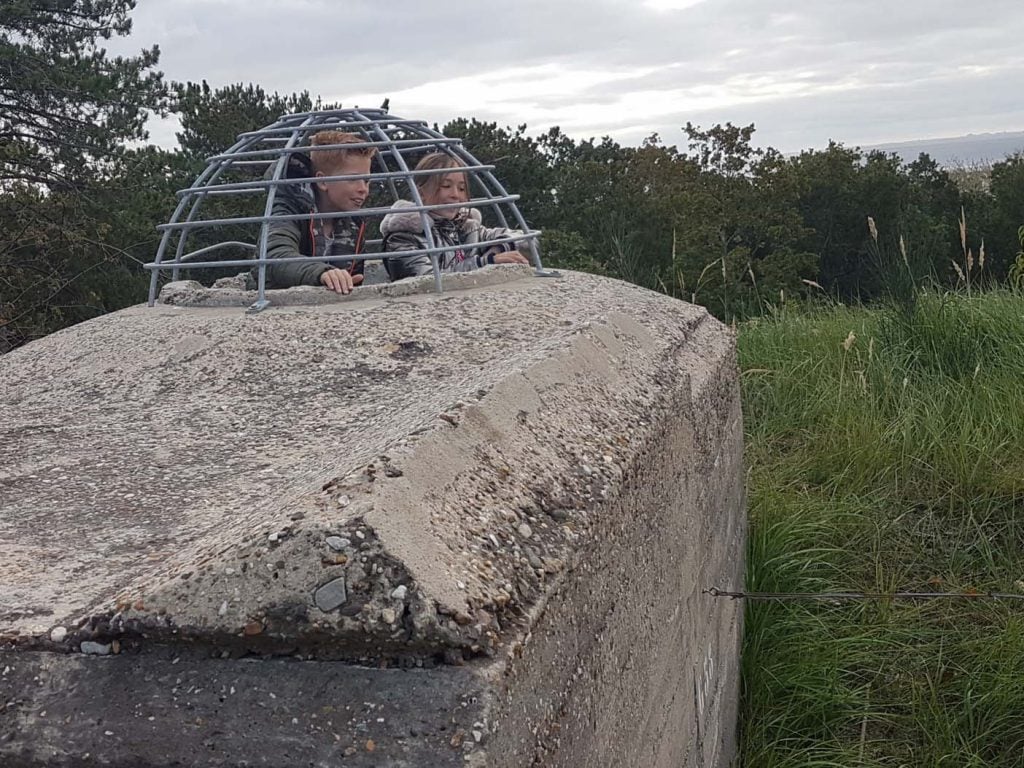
{"points": [[328, 161], [430, 183]]}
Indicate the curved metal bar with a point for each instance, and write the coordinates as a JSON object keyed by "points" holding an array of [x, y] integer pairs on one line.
{"points": [[201, 179], [379, 159], [320, 147], [200, 197], [418, 200], [359, 112], [188, 257], [415, 208], [282, 164], [432, 251], [372, 176], [347, 123]]}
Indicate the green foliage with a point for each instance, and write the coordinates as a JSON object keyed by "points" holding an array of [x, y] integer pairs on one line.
{"points": [[569, 250], [1006, 204], [1016, 276], [886, 454], [212, 118], [67, 114], [64, 103], [739, 238]]}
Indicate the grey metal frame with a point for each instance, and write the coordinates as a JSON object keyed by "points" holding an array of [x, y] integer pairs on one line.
{"points": [[273, 146]]}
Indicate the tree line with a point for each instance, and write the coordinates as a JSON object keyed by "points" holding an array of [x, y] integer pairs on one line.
{"points": [[719, 221]]}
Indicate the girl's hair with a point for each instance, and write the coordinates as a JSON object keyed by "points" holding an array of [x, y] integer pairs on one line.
{"points": [[429, 184], [328, 161]]}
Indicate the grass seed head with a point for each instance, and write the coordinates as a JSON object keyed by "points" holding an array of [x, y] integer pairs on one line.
{"points": [[959, 272]]}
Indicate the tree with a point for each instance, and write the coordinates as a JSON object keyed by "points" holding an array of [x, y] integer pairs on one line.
{"points": [[738, 234], [65, 105], [1001, 240], [212, 118], [67, 113]]}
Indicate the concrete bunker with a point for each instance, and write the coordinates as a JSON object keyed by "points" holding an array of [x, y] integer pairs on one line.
{"points": [[392, 528]]}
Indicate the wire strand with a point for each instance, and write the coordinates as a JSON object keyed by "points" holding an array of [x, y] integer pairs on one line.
{"points": [[796, 596]]}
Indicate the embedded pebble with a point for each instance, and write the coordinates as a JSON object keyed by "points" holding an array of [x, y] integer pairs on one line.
{"points": [[337, 543], [388, 615], [57, 634], [331, 595], [95, 649], [534, 561], [525, 531], [399, 592], [343, 501]]}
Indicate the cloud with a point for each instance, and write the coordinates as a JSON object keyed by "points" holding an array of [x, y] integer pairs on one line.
{"points": [[804, 72]]}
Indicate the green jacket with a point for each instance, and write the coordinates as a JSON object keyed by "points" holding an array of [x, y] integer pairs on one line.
{"points": [[303, 237]]}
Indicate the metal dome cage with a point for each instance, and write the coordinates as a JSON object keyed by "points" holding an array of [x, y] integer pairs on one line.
{"points": [[255, 168]]}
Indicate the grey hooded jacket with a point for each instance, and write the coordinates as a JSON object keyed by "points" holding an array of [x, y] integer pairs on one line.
{"points": [[402, 230]]}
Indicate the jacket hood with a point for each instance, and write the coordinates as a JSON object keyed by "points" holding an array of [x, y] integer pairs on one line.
{"points": [[410, 221], [297, 198]]}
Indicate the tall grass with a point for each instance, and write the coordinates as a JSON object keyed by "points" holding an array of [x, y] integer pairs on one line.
{"points": [[886, 450]]}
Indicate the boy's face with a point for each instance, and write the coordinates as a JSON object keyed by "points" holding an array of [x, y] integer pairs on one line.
{"points": [[451, 189], [345, 195]]}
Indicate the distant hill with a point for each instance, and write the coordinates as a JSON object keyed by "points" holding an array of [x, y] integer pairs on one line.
{"points": [[973, 149]]}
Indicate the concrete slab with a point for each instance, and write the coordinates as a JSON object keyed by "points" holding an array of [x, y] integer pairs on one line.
{"points": [[532, 478]]}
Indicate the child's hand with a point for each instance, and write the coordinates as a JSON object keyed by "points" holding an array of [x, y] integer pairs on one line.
{"points": [[339, 280], [510, 257]]}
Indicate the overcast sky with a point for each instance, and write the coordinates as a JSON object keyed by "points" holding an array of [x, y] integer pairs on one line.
{"points": [[859, 71]]}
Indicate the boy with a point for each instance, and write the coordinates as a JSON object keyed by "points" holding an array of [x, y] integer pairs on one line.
{"points": [[317, 236]]}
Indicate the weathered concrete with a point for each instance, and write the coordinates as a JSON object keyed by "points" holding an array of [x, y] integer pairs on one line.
{"points": [[532, 479]]}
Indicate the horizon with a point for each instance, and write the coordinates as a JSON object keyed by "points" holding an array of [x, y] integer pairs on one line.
{"points": [[168, 127]]}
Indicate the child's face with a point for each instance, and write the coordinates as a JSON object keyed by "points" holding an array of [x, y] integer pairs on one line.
{"points": [[345, 195], [452, 189]]}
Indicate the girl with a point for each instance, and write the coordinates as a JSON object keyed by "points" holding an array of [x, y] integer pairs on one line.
{"points": [[454, 226]]}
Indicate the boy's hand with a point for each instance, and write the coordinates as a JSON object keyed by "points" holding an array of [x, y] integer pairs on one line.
{"points": [[339, 280], [510, 257]]}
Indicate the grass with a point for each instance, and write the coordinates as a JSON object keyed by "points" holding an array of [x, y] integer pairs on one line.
{"points": [[886, 451]]}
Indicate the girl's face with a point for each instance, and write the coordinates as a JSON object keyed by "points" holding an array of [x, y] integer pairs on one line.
{"points": [[453, 188]]}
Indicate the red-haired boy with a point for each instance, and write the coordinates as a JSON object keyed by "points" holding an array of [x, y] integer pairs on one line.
{"points": [[317, 236]]}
